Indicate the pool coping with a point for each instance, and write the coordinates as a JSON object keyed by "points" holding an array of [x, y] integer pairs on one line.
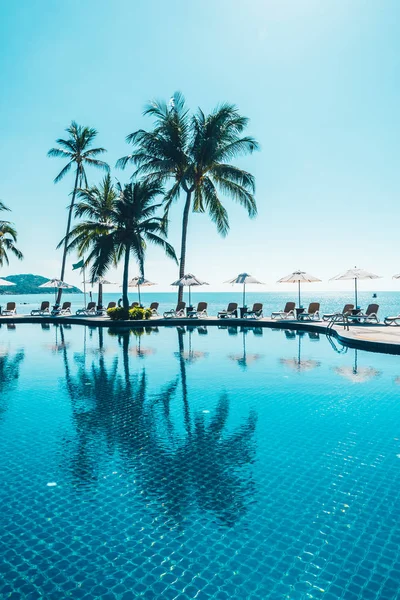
{"points": [[371, 337]]}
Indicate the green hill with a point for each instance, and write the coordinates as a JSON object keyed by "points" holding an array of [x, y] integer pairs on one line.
{"points": [[29, 284]]}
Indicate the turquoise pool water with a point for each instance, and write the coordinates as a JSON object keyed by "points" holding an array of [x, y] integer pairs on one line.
{"points": [[197, 464]]}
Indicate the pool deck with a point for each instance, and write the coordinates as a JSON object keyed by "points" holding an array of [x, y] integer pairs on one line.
{"points": [[372, 337]]}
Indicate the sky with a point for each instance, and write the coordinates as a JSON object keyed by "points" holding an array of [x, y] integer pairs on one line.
{"points": [[319, 82]]}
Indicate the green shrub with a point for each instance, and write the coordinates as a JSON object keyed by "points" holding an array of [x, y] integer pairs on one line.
{"points": [[139, 314], [119, 313]]}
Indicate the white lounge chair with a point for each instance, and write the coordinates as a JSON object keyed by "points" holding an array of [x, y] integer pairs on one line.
{"points": [[201, 311], [337, 316], [230, 312], [371, 314], [286, 313], [43, 310], [154, 308], [256, 312], [177, 312], [89, 310], [10, 310], [64, 310], [312, 314]]}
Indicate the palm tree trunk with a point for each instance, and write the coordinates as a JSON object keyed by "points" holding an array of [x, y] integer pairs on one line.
{"points": [[64, 259], [125, 299], [182, 261]]}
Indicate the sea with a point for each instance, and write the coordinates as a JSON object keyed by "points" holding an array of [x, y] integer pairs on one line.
{"points": [[389, 302]]}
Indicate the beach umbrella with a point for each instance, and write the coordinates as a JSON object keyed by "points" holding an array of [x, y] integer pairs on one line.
{"points": [[4, 282], [140, 282], [244, 359], [188, 281], [297, 364], [299, 277], [56, 284], [191, 355], [355, 274], [357, 374], [244, 278], [101, 281]]}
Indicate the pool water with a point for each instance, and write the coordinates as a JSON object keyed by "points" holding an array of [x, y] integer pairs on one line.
{"points": [[204, 463]]}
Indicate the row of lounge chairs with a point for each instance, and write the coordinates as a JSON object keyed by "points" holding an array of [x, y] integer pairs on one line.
{"points": [[348, 313]]}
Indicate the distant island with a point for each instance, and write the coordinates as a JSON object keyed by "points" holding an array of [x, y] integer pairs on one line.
{"points": [[29, 284]]}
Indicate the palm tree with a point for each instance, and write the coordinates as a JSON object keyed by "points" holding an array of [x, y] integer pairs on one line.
{"points": [[77, 150], [8, 238], [196, 152], [119, 227]]}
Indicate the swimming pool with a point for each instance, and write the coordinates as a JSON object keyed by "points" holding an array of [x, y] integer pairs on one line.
{"points": [[197, 464]]}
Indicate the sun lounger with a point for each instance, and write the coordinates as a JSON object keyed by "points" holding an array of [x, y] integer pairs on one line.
{"points": [[103, 311], [286, 313], [43, 310], [339, 315], [11, 309], [230, 312], [134, 305], [64, 310], [174, 313], [392, 320], [89, 310], [154, 308], [312, 314], [201, 311], [371, 314], [256, 312]]}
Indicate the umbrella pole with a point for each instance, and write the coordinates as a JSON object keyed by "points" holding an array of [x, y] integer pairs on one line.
{"points": [[190, 300], [355, 289], [244, 295], [299, 294]]}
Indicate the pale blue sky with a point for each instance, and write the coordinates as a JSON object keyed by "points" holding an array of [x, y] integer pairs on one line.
{"points": [[318, 79]]}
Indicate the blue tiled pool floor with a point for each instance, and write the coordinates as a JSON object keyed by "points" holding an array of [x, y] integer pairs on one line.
{"points": [[197, 464]]}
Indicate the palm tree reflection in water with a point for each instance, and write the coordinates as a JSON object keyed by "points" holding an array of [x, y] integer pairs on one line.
{"points": [[200, 467], [9, 374]]}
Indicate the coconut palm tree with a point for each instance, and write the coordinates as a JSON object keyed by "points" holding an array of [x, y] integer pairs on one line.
{"points": [[196, 153], [119, 227], [77, 150], [8, 238]]}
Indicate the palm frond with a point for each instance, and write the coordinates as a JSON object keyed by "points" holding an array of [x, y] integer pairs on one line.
{"points": [[216, 210]]}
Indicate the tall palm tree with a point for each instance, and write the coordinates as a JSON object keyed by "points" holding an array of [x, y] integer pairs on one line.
{"points": [[196, 153], [118, 228], [77, 150], [8, 238]]}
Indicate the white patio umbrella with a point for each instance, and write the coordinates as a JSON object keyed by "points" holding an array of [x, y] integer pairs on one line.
{"points": [[299, 277], [56, 284], [357, 374], [4, 282], [244, 278], [189, 280], [297, 364], [355, 274], [101, 281], [140, 282]]}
